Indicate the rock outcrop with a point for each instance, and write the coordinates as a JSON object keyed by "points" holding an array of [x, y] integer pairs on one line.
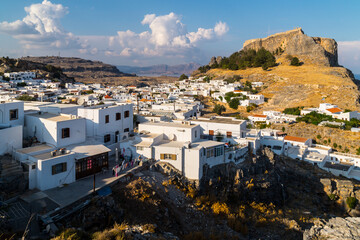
{"points": [[317, 50], [335, 229]]}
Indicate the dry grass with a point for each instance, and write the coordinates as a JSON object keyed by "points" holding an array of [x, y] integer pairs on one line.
{"points": [[307, 85]]}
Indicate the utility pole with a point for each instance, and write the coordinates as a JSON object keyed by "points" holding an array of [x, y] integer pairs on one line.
{"points": [[94, 184]]}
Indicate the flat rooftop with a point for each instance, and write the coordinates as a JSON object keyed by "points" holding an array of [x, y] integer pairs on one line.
{"points": [[205, 144], [169, 124], [88, 149], [336, 166], [220, 120], [36, 148], [52, 117]]}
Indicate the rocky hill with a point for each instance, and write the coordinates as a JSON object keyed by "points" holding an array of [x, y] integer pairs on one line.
{"points": [[162, 69], [80, 69], [88, 71], [41, 69], [318, 79], [265, 197], [317, 50]]}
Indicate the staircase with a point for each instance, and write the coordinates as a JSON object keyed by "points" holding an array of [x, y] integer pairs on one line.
{"points": [[9, 168], [13, 179]]}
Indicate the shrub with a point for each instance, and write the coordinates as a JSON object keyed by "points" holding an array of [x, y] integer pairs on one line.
{"points": [[234, 103], [219, 109], [151, 228], [332, 197], [26, 97], [295, 62], [335, 145], [71, 234], [195, 236], [318, 136], [351, 202], [238, 226], [220, 208], [292, 111], [183, 76]]}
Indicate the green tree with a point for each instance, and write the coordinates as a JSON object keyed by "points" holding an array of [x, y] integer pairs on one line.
{"points": [[219, 109], [292, 111], [234, 103], [295, 62], [183, 76], [351, 202], [21, 84], [26, 97]]}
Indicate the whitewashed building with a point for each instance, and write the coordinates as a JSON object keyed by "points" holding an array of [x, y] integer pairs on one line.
{"points": [[11, 126]]}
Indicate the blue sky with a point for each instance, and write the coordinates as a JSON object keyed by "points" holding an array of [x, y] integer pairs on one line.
{"points": [[171, 32]]}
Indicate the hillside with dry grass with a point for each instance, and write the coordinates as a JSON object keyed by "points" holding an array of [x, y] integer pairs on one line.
{"points": [[307, 85]]}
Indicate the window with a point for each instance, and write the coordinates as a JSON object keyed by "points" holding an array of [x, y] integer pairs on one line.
{"points": [[139, 148], [211, 132], [118, 116], [168, 156], [277, 147], [13, 114], [126, 130], [215, 152], [228, 134], [107, 138], [127, 114], [195, 134], [65, 133], [107, 119], [58, 168]]}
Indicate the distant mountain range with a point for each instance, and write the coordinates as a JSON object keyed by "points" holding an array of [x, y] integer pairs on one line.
{"points": [[161, 70], [357, 76]]}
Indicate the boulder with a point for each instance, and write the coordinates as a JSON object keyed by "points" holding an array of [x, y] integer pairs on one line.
{"points": [[335, 229]]}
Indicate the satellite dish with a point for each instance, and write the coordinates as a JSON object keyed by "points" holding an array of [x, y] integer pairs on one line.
{"points": [[172, 137]]}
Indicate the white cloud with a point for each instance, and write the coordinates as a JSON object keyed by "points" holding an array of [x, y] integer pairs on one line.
{"points": [[41, 27], [221, 28], [167, 37], [349, 55]]}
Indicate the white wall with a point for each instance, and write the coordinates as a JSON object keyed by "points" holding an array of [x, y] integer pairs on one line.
{"points": [[235, 129], [178, 163], [5, 113], [77, 132], [193, 166], [51, 131], [95, 120], [183, 133], [11, 138], [45, 179]]}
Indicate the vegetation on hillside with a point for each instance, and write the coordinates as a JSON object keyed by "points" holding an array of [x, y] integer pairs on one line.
{"points": [[219, 109], [26, 97], [244, 59], [183, 76], [293, 111], [316, 118]]}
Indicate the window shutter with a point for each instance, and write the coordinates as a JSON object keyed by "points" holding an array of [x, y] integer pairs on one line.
{"points": [[173, 157], [162, 156]]}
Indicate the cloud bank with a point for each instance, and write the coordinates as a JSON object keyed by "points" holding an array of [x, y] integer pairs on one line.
{"points": [[349, 55], [167, 37]]}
